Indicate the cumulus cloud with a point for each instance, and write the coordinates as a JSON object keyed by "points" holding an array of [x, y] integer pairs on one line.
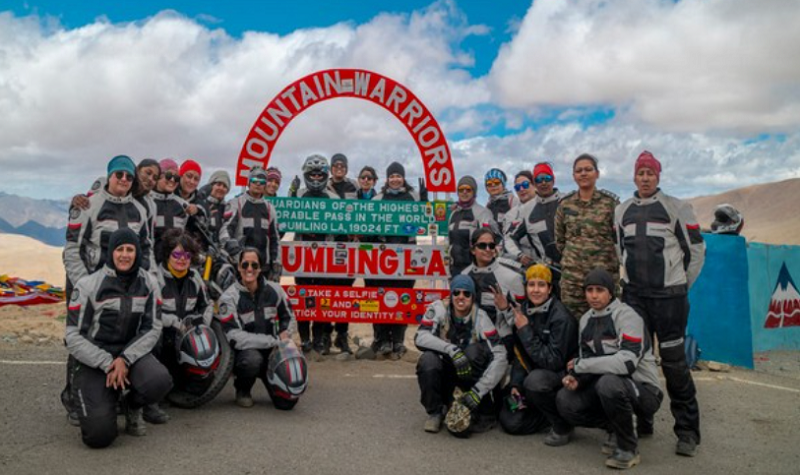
{"points": [[170, 86], [689, 65]]}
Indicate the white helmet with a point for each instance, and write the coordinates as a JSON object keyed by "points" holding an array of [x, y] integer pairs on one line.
{"points": [[316, 165], [727, 220]]}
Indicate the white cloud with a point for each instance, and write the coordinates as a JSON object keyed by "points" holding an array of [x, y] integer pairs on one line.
{"points": [[169, 86], [690, 65]]}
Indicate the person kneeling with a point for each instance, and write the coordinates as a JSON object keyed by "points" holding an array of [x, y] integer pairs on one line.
{"points": [[460, 347], [113, 323], [257, 319], [614, 377], [546, 338]]}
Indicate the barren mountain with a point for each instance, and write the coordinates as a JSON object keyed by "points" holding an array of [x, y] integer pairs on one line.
{"points": [[770, 210], [29, 259]]}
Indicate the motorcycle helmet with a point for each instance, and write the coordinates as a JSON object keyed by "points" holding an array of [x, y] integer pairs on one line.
{"points": [[316, 165], [199, 351], [287, 372], [727, 220]]}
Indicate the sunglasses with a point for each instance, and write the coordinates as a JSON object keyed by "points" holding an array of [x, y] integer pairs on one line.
{"points": [[493, 182], [464, 189], [366, 177], [485, 245], [121, 175], [172, 177], [584, 169], [258, 181], [522, 186], [248, 264], [178, 255], [543, 179], [338, 165], [459, 293]]}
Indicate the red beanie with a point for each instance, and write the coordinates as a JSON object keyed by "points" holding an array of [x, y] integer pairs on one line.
{"points": [[545, 168], [646, 159], [190, 166]]}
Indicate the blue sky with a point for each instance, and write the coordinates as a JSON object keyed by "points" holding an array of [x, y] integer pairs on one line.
{"points": [[711, 87]]}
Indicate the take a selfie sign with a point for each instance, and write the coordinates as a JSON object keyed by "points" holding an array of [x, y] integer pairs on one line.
{"points": [[362, 217], [361, 304], [358, 217]]}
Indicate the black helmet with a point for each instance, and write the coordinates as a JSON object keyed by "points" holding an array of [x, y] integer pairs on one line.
{"points": [[316, 165], [287, 372], [727, 220], [199, 350]]}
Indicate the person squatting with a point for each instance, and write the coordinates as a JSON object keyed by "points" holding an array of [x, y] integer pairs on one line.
{"points": [[538, 334]]}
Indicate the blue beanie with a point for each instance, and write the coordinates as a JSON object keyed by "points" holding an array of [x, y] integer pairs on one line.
{"points": [[121, 163], [495, 173], [462, 282]]}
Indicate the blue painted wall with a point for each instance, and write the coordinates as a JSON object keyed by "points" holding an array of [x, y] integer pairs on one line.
{"points": [[719, 317], [773, 273]]}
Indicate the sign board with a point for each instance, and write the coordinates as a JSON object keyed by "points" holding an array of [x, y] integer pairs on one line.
{"points": [[361, 304], [370, 260], [353, 83], [362, 217]]}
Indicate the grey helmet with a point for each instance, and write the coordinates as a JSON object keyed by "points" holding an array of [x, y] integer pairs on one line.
{"points": [[727, 220], [287, 372], [318, 165]]}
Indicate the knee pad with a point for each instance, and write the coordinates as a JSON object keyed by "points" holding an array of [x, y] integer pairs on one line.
{"points": [[672, 352], [99, 432]]}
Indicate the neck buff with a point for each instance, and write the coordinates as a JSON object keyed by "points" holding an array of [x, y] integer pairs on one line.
{"points": [[176, 273]]}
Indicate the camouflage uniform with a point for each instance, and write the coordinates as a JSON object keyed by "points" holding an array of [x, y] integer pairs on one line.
{"points": [[584, 233]]}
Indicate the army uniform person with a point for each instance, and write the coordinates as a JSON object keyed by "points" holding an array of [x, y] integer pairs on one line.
{"points": [[584, 231]]}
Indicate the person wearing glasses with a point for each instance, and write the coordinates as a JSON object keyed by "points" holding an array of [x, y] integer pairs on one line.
{"points": [[496, 283], [662, 250], [390, 338], [183, 296], [85, 248], [530, 236], [466, 218], [113, 323], [367, 180], [171, 209], [256, 316], [190, 174], [501, 200], [251, 221], [584, 233], [460, 347], [523, 185], [546, 339]]}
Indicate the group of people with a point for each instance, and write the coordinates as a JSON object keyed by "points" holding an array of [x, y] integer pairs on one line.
{"points": [[544, 304], [535, 295]]}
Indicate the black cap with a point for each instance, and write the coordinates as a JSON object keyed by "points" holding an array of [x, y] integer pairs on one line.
{"points": [[601, 277], [339, 158], [395, 168], [119, 237]]}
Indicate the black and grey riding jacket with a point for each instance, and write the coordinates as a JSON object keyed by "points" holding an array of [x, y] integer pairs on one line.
{"points": [[531, 230], [88, 232], [614, 341], [511, 283], [439, 332], [659, 244], [106, 320], [255, 321], [184, 298], [501, 204], [464, 222], [345, 189], [548, 341], [253, 223]]}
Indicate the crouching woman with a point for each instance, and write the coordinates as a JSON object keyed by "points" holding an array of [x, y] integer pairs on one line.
{"points": [[460, 347], [257, 320], [112, 326]]}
